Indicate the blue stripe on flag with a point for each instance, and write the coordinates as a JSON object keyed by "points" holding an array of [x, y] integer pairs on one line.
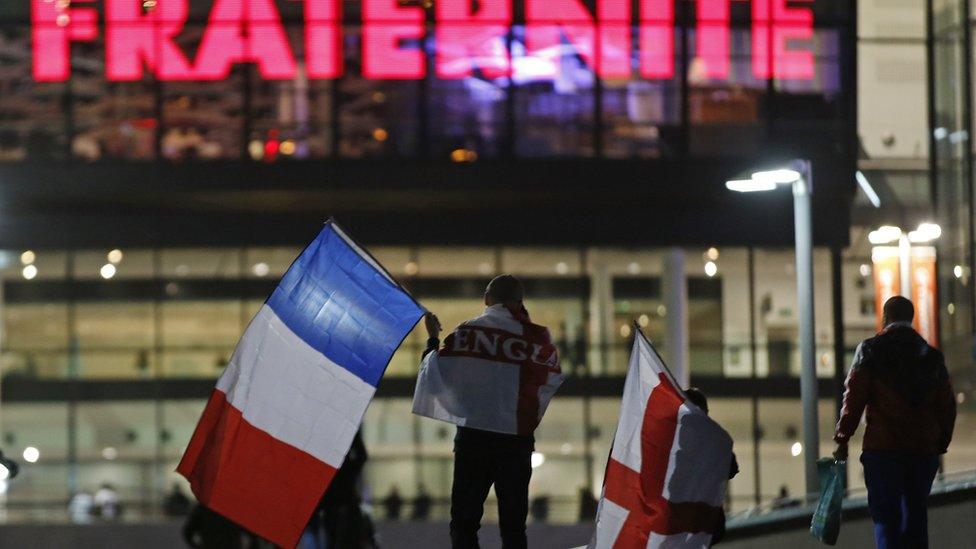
{"points": [[340, 304]]}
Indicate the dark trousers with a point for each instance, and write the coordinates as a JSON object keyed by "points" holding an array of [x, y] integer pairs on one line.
{"points": [[476, 468], [898, 489]]}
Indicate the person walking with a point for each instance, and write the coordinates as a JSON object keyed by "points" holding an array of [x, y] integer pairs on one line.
{"points": [[901, 383], [496, 374]]}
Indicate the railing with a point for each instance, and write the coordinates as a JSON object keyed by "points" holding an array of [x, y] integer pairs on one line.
{"points": [[803, 506]]}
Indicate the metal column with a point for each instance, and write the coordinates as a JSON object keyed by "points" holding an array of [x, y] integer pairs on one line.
{"points": [[804, 291]]}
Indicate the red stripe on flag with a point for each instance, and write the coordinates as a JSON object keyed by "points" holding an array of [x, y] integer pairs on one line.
{"points": [[641, 493], [250, 477]]}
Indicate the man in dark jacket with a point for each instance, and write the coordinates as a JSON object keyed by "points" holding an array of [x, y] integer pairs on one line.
{"points": [[901, 382]]}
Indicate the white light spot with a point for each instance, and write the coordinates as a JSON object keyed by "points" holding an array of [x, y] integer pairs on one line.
{"points": [[796, 449], [633, 268], [712, 254], [865, 270], [538, 458], [29, 272], [957, 271], [562, 268], [260, 269], [115, 256], [662, 311], [31, 454], [951, 308], [566, 448], [643, 321], [625, 331], [484, 268], [110, 453], [107, 271], [711, 269], [27, 257], [4, 473]]}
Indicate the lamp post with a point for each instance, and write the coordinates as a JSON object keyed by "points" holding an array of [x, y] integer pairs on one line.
{"points": [[799, 176]]}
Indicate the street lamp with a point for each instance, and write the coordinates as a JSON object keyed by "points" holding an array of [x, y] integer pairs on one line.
{"points": [[798, 175]]}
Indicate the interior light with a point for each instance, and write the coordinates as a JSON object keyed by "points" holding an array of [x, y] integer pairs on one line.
{"points": [[711, 269], [884, 234], [27, 257], [776, 177], [867, 189], [260, 269], [749, 186], [865, 270], [562, 268], [115, 256], [538, 458], [31, 454], [957, 271], [926, 232], [110, 453], [643, 321], [29, 272], [411, 268], [633, 268], [107, 271], [796, 449], [712, 254]]}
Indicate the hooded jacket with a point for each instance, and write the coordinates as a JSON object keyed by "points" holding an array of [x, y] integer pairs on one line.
{"points": [[901, 383]]}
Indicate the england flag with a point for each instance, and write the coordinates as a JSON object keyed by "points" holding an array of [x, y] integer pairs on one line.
{"points": [[286, 409], [665, 480]]}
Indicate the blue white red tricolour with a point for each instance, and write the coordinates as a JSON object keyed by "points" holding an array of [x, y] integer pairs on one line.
{"points": [[284, 412]]}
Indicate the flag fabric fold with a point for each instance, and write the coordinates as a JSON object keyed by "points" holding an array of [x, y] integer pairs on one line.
{"points": [[284, 412], [666, 476]]}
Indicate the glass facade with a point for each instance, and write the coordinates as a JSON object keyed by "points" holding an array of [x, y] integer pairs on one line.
{"points": [[106, 377], [646, 101]]}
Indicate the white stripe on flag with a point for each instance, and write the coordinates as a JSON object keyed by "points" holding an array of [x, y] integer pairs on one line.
{"points": [[293, 392]]}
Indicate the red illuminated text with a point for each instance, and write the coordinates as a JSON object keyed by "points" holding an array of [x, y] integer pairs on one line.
{"points": [[469, 37]]}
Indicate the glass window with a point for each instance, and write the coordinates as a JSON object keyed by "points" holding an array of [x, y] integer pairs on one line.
{"points": [[199, 336], [476, 262], [112, 120], [376, 117], [269, 263], [553, 97], [117, 443], [32, 117], [43, 426], [201, 263], [115, 339], [642, 113], [203, 120], [36, 340], [114, 264]]}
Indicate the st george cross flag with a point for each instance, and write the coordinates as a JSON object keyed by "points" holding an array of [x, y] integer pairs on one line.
{"points": [[665, 480], [496, 372], [286, 409]]}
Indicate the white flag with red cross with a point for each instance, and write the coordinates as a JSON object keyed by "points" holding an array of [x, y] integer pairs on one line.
{"points": [[666, 477]]}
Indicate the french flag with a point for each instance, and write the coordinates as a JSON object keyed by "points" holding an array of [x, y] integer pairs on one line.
{"points": [[285, 411]]}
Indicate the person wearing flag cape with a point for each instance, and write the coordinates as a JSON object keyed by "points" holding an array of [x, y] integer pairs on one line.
{"points": [[669, 465], [493, 378]]}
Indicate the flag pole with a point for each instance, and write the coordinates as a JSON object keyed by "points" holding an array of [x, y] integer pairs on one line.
{"points": [[674, 381]]}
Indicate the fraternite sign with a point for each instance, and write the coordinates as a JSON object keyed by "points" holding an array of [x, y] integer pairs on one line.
{"points": [[141, 36]]}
